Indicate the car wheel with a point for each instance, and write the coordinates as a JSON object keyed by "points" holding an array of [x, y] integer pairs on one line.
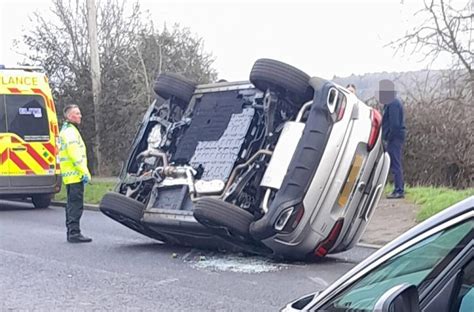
{"points": [[171, 85], [216, 213], [286, 80], [126, 211], [41, 201]]}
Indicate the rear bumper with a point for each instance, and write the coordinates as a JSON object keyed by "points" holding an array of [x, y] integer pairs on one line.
{"points": [[356, 216], [19, 186]]}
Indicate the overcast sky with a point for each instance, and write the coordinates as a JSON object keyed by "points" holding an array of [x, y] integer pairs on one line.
{"points": [[321, 37]]}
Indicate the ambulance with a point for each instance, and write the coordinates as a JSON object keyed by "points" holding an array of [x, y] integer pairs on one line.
{"points": [[29, 136]]}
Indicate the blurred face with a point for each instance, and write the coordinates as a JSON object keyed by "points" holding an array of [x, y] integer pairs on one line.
{"points": [[385, 97], [351, 89], [74, 116]]}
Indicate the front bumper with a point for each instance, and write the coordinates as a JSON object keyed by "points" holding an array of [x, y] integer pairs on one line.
{"points": [[181, 228]]}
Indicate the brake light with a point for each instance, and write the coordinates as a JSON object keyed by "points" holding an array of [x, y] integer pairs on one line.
{"points": [[341, 108], [376, 119], [323, 248]]}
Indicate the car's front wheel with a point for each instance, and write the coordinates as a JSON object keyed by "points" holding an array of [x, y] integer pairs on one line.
{"points": [[218, 214], [126, 211]]}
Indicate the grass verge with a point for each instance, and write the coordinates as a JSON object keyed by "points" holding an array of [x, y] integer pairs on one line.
{"points": [[432, 200], [93, 193]]}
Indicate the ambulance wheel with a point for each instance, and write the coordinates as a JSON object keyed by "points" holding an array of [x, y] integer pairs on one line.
{"points": [[41, 201]]}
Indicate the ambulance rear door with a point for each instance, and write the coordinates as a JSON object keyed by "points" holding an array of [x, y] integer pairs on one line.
{"points": [[31, 150]]}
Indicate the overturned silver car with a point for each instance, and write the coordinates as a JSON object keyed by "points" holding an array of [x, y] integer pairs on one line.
{"points": [[284, 165]]}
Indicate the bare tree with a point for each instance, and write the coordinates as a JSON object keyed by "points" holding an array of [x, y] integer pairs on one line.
{"points": [[440, 117], [445, 28], [132, 53]]}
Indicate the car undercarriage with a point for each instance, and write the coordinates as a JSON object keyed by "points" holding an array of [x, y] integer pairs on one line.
{"points": [[228, 164]]}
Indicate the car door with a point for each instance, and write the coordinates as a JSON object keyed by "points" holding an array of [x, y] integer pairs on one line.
{"points": [[453, 289], [421, 265]]}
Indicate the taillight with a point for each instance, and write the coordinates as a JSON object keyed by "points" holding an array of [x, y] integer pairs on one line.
{"points": [[341, 108], [289, 219], [376, 119], [323, 248]]}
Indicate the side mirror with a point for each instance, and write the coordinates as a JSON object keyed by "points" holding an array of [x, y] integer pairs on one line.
{"points": [[400, 298], [300, 303]]}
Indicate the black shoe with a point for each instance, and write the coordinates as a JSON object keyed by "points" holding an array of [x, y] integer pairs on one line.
{"points": [[395, 195], [78, 238]]}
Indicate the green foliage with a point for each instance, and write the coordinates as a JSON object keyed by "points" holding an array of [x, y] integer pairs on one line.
{"points": [[132, 53], [93, 193]]}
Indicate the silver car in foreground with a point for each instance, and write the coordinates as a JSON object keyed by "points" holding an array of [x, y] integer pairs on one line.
{"points": [[284, 165], [429, 268]]}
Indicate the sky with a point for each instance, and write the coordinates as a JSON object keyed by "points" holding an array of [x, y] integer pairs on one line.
{"points": [[321, 37]]}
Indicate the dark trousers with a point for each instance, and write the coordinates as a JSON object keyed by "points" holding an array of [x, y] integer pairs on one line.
{"points": [[395, 151], [74, 208]]}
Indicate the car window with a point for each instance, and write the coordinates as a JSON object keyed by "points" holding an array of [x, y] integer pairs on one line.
{"points": [[413, 266], [465, 297], [26, 116]]}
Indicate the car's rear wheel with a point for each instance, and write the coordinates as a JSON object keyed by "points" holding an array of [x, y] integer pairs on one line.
{"points": [[126, 211], [41, 201], [175, 87], [217, 214], [286, 80]]}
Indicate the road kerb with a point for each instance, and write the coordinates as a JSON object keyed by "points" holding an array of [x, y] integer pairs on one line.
{"points": [[86, 206]]}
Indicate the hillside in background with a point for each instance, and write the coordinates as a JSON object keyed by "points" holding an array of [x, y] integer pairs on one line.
{"points": [[408, 84]]}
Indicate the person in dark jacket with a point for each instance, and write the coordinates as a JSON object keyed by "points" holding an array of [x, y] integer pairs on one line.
{"points": [[393, 133]]}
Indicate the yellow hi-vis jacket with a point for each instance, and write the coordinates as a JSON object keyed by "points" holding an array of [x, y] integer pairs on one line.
{"points": [[72, 155]]}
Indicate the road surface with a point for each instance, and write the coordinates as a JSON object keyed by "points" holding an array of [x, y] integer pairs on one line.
{"points": [[123, 270]]}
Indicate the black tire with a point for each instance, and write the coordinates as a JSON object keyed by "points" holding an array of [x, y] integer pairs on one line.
{"points": [[216, 213], [41, 201], [282, 78], [171, 85], [124, 210]]}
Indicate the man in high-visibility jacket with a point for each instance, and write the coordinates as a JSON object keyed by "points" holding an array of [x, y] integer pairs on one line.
{"points": [[73, 159]]}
